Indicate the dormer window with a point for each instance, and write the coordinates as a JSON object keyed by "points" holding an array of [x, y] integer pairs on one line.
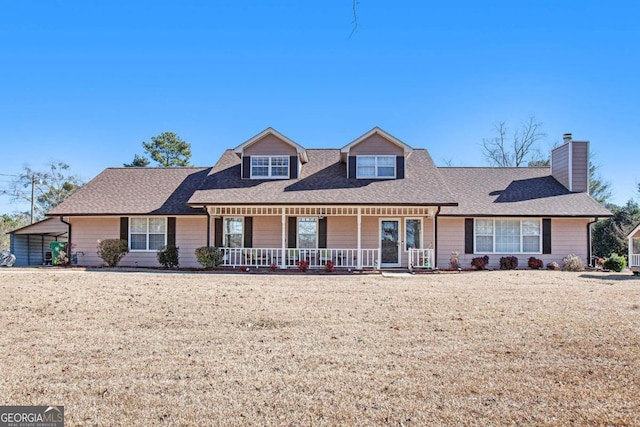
{"points": [[264, 167], [371, 167]]}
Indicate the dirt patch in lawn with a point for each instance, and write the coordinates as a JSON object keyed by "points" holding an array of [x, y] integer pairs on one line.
{"points": [[487, 348]]}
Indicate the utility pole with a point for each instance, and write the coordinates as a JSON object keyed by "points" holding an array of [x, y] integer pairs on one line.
{"points": [[33, 193]]}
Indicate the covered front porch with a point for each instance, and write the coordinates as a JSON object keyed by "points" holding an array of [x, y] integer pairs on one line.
{"points": [[349, 237]]}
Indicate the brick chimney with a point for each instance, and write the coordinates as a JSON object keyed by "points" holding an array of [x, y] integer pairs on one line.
{"points": [[570, 164]]}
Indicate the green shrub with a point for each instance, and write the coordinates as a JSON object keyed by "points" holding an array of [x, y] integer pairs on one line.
{"points": [[480, 262], [508, 263], [112, 250], [535, 263], [573, 263], [615, 263], [168, 256], [209, 257]]}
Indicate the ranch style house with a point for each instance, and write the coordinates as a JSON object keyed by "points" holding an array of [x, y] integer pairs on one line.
{"points": [[374, 203]]}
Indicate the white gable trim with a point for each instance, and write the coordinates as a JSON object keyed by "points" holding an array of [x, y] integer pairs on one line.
{"points": [[634, 231], [376, 130], [271, 131]]}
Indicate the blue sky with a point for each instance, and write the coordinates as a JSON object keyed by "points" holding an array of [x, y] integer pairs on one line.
{"points": [[87, 82]]}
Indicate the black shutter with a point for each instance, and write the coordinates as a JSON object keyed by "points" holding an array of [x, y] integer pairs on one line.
{"points": [[399, 167], [546, 236], [352, 167], [246, 167], [248, 232], [217, 230], [292, 232], [171, 231], [293, 167], [468, 235], [322, 232], [124, 228]]}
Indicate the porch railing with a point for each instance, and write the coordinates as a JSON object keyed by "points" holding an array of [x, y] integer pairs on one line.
{"points": [[635, 260], [421, 258], [317, 258]]}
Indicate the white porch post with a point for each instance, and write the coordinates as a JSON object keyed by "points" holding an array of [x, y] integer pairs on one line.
{"points": [[359, 238], [283, 262]]}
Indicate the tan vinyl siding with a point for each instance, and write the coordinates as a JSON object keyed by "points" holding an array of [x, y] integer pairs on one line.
{"points": [[370, 232], [342, 232], [267, 232], [451, 239], [428, 233], [270, 145], [580, 169], [191, 233], [376, 145], [568, 236], [560, 164], [86, 232]]}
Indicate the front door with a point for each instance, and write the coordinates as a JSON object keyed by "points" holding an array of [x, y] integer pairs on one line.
{"points": [[389, 243]]}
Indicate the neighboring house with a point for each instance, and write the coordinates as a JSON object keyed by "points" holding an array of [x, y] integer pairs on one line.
{"points": [[634, 250], [376, 202]]}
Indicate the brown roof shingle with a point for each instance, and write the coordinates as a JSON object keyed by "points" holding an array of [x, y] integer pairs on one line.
{"points": [[514, 192], [129, 191], [323, 180]]}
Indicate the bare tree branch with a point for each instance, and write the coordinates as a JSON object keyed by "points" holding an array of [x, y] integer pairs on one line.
{"points": [[502, 152], [354, 7]]}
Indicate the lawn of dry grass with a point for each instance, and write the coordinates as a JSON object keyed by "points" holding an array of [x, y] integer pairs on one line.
{"points": [[486, 348]]}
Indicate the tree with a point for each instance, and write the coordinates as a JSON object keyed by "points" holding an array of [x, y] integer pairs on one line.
{"points": [[598, 188], [518, 149], [138, 162], [10, 222], [50, 187], [610, 235], [168, 150]]}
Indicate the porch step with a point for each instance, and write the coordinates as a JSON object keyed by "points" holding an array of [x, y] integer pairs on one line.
{"points": [[395, 273]]}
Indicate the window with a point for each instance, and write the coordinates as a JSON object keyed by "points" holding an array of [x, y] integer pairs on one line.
{"points": [[636, 245], [233, 228], [507, 236], [307, 233], [269, 167], [375, 167], [147, 234], [413, 233], [484, 235]]}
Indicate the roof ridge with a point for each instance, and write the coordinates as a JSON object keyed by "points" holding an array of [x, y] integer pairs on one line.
{"points": [[494, 167], [157, 167]]}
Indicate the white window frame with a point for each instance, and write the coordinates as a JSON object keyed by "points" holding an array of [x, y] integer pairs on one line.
{"points": [[270, 167], [406, 249], [376, 175], [635, 241], [225, 239], [495, 251], [317, 221], [147, 233]]}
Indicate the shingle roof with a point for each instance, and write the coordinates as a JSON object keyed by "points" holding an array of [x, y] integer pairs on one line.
{"points": [[514, 192], [121, 191], [323, 180]]}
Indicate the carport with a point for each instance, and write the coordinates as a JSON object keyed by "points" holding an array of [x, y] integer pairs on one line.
{"points": [[30, 244]]}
